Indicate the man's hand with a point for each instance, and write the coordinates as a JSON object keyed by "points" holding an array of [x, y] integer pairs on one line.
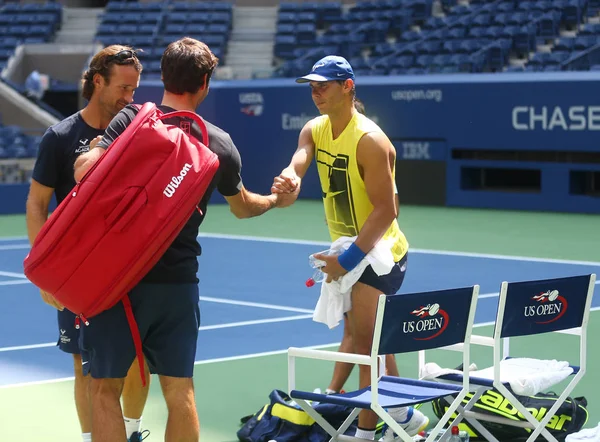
{"points": [[286, 182], [95, 141], [332, 267], [50, 300], [286, 199]]}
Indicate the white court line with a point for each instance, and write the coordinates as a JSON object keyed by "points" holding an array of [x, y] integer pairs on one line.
{"points": [[12, 274], [13, 238], [327, 243], [255, 304], [496, 294], [217, 360], [15, 247], [27, 347], [254, 322], [424, 251], [202, 328], [15, 282], [203, 362]]}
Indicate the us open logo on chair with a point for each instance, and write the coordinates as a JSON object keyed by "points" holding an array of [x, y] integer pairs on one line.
{"points": [[432, 321], [552, 306]]}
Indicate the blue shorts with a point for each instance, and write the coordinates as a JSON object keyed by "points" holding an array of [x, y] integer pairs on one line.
{"points": [[168, 318], [68, 335], [387, 284]]}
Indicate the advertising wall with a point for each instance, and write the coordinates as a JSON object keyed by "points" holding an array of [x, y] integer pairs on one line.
{"points": [[522, 140]]}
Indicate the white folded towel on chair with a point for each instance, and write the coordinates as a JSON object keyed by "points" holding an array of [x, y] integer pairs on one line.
{"points": [[431, 371], [527, 377], [335, 297], [587, 435]]}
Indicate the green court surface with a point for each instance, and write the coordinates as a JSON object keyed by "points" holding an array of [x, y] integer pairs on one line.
{"points": [[230, 387]]}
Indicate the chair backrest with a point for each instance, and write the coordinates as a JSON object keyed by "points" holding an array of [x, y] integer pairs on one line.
{"points": [[420, 321], [543, 306]]}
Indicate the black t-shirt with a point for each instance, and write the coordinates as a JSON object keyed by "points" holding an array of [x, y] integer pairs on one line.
{"points": [[59, 148], [179, 264]]}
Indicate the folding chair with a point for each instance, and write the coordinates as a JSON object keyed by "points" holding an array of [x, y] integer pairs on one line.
{"points": [[527, 308], [404, 323]]}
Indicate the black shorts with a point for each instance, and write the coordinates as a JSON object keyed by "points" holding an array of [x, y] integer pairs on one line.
{"points": [[168, 318], [387, 284]]}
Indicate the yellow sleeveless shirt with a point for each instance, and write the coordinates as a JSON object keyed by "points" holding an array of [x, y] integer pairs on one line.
{"points": [[347, 204]]}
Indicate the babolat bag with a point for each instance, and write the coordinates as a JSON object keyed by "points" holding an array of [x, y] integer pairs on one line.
{"points": [[283, 420], [569, 418]]}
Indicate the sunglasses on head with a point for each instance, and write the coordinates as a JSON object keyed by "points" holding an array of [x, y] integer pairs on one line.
{"points": [[122, 57]]}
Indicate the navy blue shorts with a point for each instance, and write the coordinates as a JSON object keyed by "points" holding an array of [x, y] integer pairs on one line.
{"points": [[68, 335], [387, 284], [168, 318]]}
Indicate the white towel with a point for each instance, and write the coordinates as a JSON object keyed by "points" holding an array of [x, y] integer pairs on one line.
{"points": [[527, 377], [431, 371], [587, 435], [335, 297]]}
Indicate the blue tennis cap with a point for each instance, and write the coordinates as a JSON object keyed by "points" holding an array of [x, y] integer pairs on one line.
{"points": [[329, 68]]}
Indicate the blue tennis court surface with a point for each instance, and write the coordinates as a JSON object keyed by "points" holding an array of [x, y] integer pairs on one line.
{"points": [[253, 299]]}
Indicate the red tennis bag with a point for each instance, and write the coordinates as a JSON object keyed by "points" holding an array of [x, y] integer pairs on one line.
{"points": [[123, 215]]}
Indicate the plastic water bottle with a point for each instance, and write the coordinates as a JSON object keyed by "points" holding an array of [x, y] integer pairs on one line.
{"points": [[463, 436], [455, 435], [318, 275]]}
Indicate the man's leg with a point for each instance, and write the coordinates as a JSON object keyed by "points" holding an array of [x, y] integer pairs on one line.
{"points": [[365, 295], [82, 396], [68, 342], [391, 367], [107, 416], [182, 424], [172, 318], [108, 352], [134, 397], [362, 324], [342, 370]]}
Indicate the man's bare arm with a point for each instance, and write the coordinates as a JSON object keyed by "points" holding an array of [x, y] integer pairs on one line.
{"points": [[36, 214], [375, 156], [287, 184], [36, 208], [247, 204]]}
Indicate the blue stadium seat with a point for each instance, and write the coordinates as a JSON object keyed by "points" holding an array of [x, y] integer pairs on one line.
{"points": [[486, 33], [150, 17], [286, 17], [174, 29], [590, 29], [565, 44], [146, 29], [330, 12], [195, 29], [585, 41], [286, 29], [177, 17], [40, 31], [218, 29], [198, 17], [306, 33], [127, 29]]}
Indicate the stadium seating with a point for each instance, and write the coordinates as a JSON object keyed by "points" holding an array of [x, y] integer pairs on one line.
{"points": [[396, 37], [26, 23], [14, 143], [152, 26]]}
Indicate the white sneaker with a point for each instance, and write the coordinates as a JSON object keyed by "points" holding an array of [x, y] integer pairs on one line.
{"points": [[415, 423]]}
